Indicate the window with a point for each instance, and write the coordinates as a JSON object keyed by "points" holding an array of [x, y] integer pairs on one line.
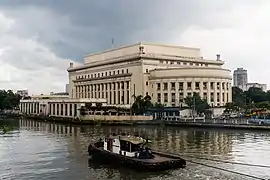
{"points": [[189, 85], [197, 85], [173, 86], [146, 70], [146, 83], [165, 97], [212, 97], [181, 86], [218, 85], [118, 72], [181, 97], [127, 71], [212, 85], [123, 71], [205, 96], [158, 86], [205, 85], [165, 86], [173, 97]]}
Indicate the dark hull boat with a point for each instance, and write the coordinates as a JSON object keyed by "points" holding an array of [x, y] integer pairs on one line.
{"points": [[144, 160]]}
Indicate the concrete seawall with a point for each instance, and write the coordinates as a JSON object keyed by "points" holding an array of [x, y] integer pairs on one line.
{"points": [[235, 124]]}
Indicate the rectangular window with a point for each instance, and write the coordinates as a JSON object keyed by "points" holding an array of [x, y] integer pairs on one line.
{"points": [[197, 85], [205, 85], [173, 86], [189, 85], [212, 85], [159, 97], [165, 97], [165, 86], [173, 97], [181, 86], [158, 86]]}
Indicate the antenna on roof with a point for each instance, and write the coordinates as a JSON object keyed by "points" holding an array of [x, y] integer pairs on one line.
{"points": [[112, 42]]}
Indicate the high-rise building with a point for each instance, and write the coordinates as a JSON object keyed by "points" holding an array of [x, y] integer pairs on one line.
{"points": [[240, 78]]}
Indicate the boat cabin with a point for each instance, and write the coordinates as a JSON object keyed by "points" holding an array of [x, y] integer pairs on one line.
{"points": [[130, 146]]}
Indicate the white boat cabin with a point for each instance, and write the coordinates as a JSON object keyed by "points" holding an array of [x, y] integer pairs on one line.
{"points": [[129, 146]]}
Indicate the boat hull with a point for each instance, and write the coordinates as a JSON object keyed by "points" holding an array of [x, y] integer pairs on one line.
{"points": [[173, 162]]}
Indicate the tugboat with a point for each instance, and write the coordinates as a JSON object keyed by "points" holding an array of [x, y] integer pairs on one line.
{"points": [[133, 151]]}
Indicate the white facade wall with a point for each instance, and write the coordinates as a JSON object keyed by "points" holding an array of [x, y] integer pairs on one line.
{"points": [[56, 107]]}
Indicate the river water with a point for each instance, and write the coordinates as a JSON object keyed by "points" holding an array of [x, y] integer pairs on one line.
{"points": [[47, 151]]}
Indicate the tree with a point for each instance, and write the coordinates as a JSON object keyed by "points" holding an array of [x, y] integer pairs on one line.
{"points": [[9, 100], [195, 102], [141, 104], [231, 107]]}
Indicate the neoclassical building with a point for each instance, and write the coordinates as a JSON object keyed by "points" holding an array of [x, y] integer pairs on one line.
{"points": [[167, 73]]}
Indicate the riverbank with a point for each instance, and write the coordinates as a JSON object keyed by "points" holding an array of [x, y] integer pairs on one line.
{"points": [[225, 124]]}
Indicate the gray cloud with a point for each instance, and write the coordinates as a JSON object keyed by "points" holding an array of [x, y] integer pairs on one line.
{"points": [[75, 28], [46, 35]]}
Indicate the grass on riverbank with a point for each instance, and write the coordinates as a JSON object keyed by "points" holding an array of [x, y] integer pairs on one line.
{"points": [[5, 129]]}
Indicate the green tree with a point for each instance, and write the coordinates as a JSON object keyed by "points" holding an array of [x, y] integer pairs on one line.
{"points": [[9, 100], [195, 102], [141, 104]]}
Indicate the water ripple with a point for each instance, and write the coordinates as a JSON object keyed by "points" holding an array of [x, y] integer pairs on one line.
{"points": [[46, 151]]}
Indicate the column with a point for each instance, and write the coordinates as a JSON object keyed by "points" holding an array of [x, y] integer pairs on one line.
{"points": [[215, 93], [201, 89], [209, 93]]}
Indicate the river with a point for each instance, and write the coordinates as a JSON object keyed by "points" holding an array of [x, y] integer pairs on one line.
{"points": [[47, 151]]}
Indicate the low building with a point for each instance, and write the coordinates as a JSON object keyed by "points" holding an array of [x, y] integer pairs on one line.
{"points": [[57, 106], [22, 93], [263, 87]]}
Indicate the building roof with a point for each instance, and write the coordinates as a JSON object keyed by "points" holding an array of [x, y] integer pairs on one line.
{"points": [[134, 140]]}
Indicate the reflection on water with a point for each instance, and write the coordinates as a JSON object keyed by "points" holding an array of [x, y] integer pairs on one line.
{"points": [[53, 151]]}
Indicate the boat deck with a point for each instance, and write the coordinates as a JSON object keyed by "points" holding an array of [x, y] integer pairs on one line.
{"points": [[157, 158]]}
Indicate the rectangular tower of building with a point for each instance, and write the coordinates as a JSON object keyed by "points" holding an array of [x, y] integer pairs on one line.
{"points": [[240, 78]]}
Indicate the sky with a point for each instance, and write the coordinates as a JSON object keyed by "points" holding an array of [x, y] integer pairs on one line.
{"points": [[38, 39]]}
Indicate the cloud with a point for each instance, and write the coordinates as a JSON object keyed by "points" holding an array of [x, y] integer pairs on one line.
{"points": [[27, 64], [39, 38]]}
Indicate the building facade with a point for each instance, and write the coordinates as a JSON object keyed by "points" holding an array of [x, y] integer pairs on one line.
{"points": [[240, 78], [56, 105], [166, 73], [263, 87]]}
